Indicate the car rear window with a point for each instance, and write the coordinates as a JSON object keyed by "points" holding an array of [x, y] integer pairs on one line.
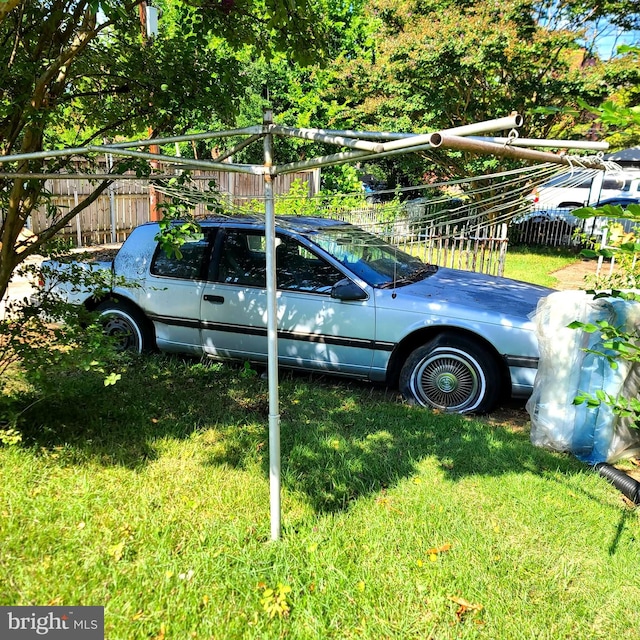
{"points": [[186, 265]]}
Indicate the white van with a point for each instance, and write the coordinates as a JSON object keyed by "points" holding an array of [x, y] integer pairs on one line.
{"points": [[583, 187]]}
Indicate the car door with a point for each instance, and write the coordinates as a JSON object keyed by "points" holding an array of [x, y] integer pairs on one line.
{"points": [[315, 331], [173, 291]]}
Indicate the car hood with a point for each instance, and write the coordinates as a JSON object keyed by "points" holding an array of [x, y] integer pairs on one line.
{"points": [[478, 291]]}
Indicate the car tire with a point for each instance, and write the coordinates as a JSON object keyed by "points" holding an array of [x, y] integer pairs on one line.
{"points": [[127, 325], [452, 374]]}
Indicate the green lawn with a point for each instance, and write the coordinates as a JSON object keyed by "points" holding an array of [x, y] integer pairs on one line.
{"points": [[537, 266], [151, 497]]}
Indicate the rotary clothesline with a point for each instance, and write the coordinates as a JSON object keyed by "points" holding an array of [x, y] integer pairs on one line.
{"points": [[497, 198]]}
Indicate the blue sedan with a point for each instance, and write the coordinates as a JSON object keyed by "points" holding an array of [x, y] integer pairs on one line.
{"points": [[349, 304]]}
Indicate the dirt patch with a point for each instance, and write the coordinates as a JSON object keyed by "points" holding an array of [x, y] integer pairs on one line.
{"points": [[512, 416], [574, 276]]}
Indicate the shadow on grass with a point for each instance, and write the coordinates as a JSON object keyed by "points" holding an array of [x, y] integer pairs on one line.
{"points": [[339, 441], [371, 445], [157, 398]]}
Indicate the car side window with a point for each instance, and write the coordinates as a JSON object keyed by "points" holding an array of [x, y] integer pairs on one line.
{"points": [[617, 183], [243, 259], [186, 264], [298, 269]]}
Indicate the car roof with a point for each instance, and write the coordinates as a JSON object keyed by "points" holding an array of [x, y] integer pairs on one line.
{"points": [[298, 224], [620, 200]]}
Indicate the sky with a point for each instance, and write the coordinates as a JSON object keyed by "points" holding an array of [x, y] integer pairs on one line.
{"points": [[608, 44]]}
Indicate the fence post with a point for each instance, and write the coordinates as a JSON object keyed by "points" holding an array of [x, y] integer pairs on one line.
{"points": [[78, 225], [504, 244]]}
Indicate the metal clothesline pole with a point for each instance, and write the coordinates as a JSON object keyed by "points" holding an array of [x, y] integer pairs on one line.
{"points": [[588, 145], [507, 151], [400, 145], [364, 149], [159, 157], [272, 337]]}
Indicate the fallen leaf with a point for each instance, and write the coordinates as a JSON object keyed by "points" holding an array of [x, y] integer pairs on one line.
{"points": [[162, 633], [464, 607], [442, 549], [117, 551]]}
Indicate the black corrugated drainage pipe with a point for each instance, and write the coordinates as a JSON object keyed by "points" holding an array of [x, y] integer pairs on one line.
{"points": [[620, 480]]}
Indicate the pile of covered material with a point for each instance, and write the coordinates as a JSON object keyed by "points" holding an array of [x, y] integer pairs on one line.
{"points": [[567, 367]]}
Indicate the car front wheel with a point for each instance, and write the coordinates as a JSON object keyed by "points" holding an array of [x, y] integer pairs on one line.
{"points": [[126, 325], [452, 374]]}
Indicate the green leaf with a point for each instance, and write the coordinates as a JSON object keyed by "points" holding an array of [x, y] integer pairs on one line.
{"points": [[630, 247], [112, 379], [585, 326], [584, 212]]}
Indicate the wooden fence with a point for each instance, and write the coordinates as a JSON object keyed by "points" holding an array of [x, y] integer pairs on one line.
{"points": [[126, 203]]}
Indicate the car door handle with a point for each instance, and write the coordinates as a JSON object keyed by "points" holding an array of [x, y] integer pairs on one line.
{"points": [[213, 299]]}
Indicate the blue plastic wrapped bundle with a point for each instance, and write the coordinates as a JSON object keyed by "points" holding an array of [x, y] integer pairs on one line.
{"points": [[566, 368]]}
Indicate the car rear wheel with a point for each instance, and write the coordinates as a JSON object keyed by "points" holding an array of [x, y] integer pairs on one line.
{"points": [[126, 325], [452, 374]]}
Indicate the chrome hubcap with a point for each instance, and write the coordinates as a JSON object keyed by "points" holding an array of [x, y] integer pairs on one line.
{"points": [[447, 381]]}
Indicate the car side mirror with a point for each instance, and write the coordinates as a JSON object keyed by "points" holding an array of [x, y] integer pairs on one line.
{"points": [[346, 289]]}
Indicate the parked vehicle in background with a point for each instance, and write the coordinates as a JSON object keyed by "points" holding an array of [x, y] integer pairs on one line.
{"points": [[584, 187], [619, 201], [549, 226], [348, 304]]}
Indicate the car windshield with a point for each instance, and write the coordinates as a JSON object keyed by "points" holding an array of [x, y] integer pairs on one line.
{"points": [[371, 258]]}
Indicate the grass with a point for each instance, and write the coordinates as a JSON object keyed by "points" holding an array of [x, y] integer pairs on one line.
{"points": [[537, 266], [151, 498], [529, 264]]}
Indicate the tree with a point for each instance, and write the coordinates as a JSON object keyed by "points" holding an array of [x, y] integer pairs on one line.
{"points": [[77, 72], [434, 64], [619, 116]]}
